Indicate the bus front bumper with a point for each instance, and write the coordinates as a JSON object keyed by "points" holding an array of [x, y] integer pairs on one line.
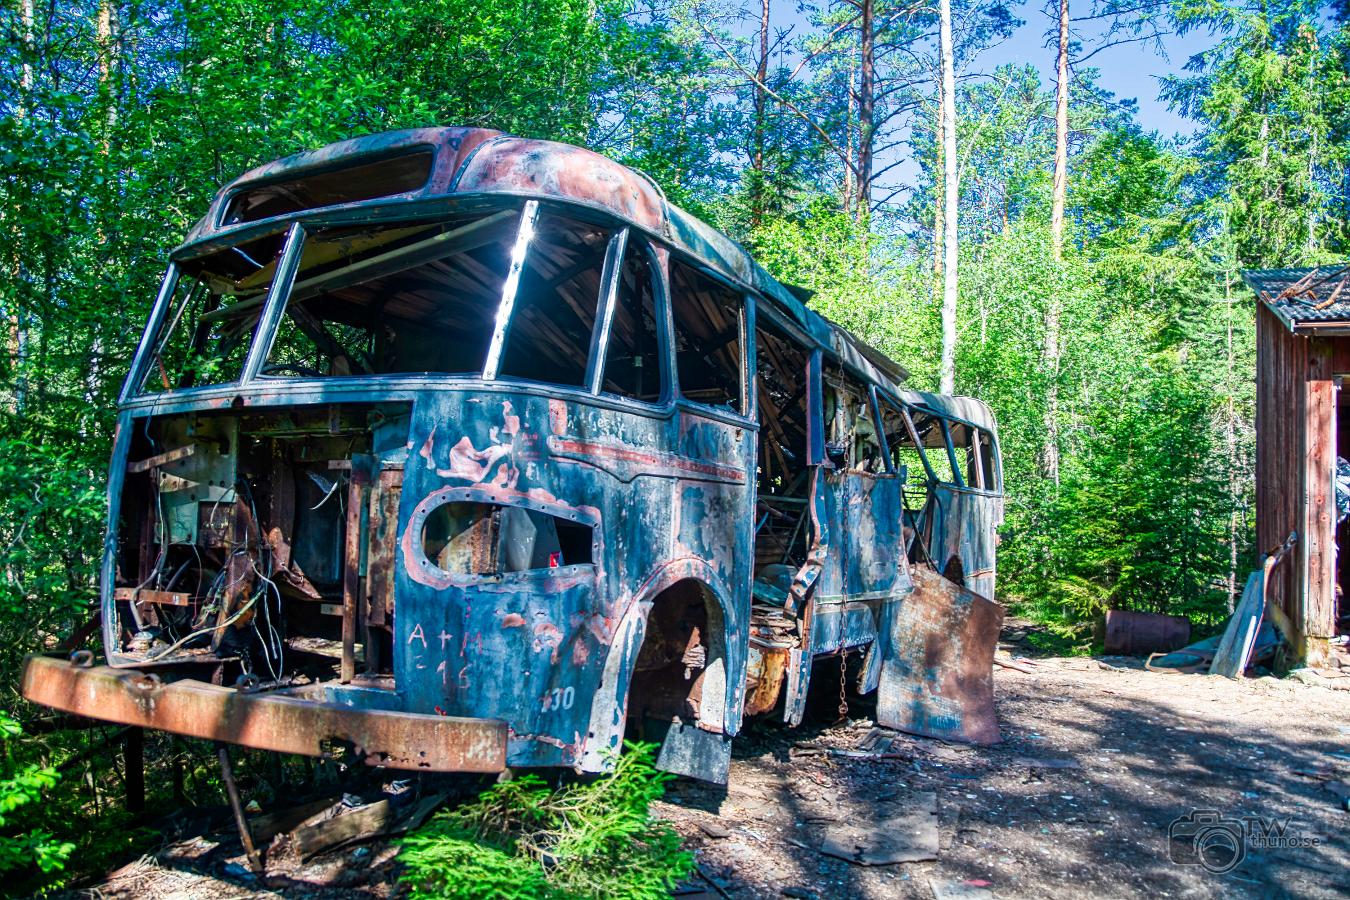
{"points": [[266, 721]]}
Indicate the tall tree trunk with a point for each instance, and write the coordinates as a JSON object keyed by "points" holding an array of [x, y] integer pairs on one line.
{"points": [[849, 129], [1061, 184], [1231, 447], [866, 110], [757, 200], [939, 135], [1051, 351], [17, 319], [950, 195]]}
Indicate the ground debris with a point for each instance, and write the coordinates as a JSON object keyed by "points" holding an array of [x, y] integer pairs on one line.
{"points": [[946, 889], [713, 830], [909, 837], [1148, 747], [1041, 763]]}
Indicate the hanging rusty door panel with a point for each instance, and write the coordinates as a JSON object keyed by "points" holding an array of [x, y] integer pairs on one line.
{"points": [[937, 663]]}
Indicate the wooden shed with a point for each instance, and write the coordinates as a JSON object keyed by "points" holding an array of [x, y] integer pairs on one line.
{"points": [[1302, 427]]}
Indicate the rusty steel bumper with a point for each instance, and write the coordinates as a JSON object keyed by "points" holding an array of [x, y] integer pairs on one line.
{"points": [[264, 721]]}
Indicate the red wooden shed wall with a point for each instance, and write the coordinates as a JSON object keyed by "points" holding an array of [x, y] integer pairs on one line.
{"points": [[1295, 456]]}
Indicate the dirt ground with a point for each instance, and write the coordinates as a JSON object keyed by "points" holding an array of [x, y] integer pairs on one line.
{"points": [[1098, 758]]}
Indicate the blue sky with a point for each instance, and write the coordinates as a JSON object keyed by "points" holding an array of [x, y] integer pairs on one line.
{"points": [[1127, 70]]}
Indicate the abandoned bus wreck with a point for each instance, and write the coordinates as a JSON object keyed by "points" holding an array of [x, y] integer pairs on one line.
{"points": [[465, 451]]}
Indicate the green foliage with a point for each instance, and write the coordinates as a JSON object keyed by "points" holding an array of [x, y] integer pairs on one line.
{"points": [[522, 839], [51, 512], [19, 788], [1272, 97]]}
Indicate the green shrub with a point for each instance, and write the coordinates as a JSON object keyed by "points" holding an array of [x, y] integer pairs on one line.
{"points": [[522, 839], [35, 847]]}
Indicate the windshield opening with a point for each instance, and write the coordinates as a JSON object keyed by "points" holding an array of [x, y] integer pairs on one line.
{"points": [[408, 298], [421, 297], [556, 303], [212, 316]]}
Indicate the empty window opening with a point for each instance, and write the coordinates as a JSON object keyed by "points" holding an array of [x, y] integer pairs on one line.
{"points": [[933, 437], [383, 177], [781, 526], [486, 539], [709, 338], [556, 301], [974, 451], [853, 442], [910, 461], [395, 299], [988, 461], [210, 322], [907, 460], [633, 362]]}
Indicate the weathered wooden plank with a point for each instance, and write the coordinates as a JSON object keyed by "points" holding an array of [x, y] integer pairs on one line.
{"points": [[1318, 601], [267, 826], [368, 821], [351, 579]]}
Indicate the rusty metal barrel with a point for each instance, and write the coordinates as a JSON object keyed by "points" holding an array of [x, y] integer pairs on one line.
{"points": [[1135, 633]]}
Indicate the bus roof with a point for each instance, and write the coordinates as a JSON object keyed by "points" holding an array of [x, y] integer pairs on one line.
{"points": [[480, 161]]}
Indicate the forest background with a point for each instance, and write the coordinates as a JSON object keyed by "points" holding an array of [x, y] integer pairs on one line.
{"points": [[1090, 272]]}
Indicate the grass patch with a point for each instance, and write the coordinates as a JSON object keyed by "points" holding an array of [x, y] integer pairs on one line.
{"points": [[523, 840]]}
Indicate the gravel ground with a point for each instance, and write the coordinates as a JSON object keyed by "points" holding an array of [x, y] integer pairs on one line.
{"points": [[1099, 757]]}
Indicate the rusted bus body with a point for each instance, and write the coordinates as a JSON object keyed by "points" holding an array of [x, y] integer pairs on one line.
{"points": [[454, 437]]}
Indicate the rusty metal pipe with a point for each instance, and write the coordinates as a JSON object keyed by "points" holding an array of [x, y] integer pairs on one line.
{"points": [[232, 791]]}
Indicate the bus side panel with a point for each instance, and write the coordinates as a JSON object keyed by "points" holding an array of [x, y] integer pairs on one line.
{"points": [[966, 531], [531, 647], [864, 567]]}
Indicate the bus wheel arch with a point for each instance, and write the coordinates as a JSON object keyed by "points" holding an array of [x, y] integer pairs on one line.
{"points": [[680, 672]]}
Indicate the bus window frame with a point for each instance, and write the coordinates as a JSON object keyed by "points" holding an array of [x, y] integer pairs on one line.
{"points": [[277, 295], [609, 287], [140, 360], [506, 304], [394, 210], [269, 320], [815, 410], [903, 408], [299, 226], [874, 400], [747, 415], [995, 466], [960, 476], [946, 420]]}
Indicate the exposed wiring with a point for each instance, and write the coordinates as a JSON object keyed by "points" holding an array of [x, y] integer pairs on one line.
{"points": [[320, 481], [201, 631]]}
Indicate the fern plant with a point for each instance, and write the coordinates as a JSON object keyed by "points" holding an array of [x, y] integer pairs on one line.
{"points": [[525, 841]]}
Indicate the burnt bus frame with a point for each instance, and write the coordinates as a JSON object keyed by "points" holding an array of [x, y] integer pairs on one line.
{"points": [[254, 390]]}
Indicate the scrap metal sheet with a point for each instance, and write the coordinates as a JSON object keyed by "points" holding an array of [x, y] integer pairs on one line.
{"points": [[937, 678]]}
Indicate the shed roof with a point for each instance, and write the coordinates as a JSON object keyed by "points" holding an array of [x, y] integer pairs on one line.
{"points": [[1308, 300]]}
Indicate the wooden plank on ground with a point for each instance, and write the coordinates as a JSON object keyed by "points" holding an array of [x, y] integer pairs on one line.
{"points": [[265, 827], [359, 824]]}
